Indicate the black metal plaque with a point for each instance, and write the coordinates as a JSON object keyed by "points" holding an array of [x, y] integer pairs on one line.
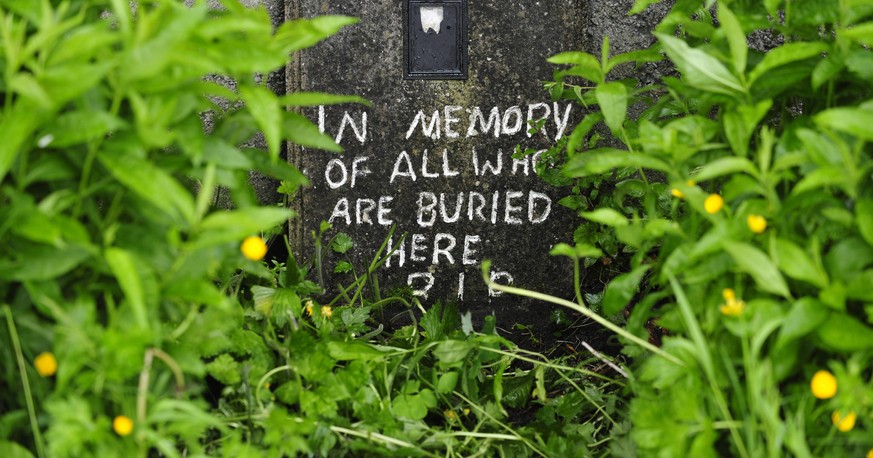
{"points": [[435, 39]]}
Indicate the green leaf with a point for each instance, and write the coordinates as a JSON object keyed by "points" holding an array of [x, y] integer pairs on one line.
{"points": [[757, 264], [805, 316], [822, 177], [862, 33], [700, 69], [786, 54], [740, 124], [126, 270], [413, 406], [584, 65], [603, 160], [451, 352], [13, 450], [725, 166], [844, 333], [353, 350], [265, 108], [606, 216], [234, 225], [612, 98], [43, 263], [78, 127], [855, 121], [225, 369], [342, 243], [302, 33], [735, 37], [342, 267], [149, 182], [579, 251], [307, 99], [622, 289], [16, 128], [303, 132], [640, 56], [864, 215], [797, 264], [447, 382]]}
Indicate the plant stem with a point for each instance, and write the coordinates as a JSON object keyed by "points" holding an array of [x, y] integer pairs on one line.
{"points": [[28, 396]]}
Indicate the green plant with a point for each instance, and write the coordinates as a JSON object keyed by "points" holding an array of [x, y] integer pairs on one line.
{"points": [[741, 194], [109, 258]]}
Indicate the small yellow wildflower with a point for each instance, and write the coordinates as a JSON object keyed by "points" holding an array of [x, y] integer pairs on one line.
{"points": [[254, 248], [326, 311], [122, 425], [46, 364], [450, 415], [731, 306], [309, 308], [870, 453], [823, 385], [844, 423], [713, 204], [757, 223], [679, 194]]}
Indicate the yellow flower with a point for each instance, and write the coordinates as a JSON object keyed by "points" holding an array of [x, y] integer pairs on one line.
{"points": [[713, 204], [844, 423], [677, 193], [757, 223], [728, 294], [122, 425], [823, 385], [46, 364], [309, 308], [731, 306], [326, 311], [870, 453], [254, 248], [450, 415]]}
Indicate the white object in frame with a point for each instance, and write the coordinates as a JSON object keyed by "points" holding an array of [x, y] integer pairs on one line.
{"points": [[431, 18]]}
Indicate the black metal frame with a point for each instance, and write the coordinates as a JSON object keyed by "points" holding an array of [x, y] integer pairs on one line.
{"points": [[459, 74]]}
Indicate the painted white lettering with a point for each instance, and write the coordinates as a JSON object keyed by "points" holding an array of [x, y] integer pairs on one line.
{"points": [[431, 130], [532, 215], [402, 159], [426, 208], [363, 207], [523, 163], [416, 246], [450, 119], [561, 124], [507, 117], [503, 278], [359, 172], [457, 213], [510, 209], [335, 164], [400, 252], [493, 120], [531, 119], [383, 211], [414, 279], [341, 210], [360, 134], [447, 171], [487, 165], [475, 208], [424, 172], [469, 250], [447, 251]]}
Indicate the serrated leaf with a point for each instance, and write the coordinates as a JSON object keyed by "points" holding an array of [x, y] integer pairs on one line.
{"points": [[759, 266], [225, 369], [342, 243], [343, 267]]}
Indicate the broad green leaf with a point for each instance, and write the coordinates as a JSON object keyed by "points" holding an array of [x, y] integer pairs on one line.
{"points": [[264, 107], [641, 5], [43, 263], [225, 369], [759, 266], [13, 450], [604, 160], [806, 315], [447, 382], [342, 243], [862, 33], [303, 132], [451, 352], [622, 289], [786, 54], [413, 406], [864, 215], [581, 131], [844, 333], [606, 216], [16, 128], [740, 124], [855, 121], [797, 264], [126, 270], [78, 127], [297, 34], [612, 98], [823, 177], [279, 170], [579, 251], [859, 287], [149, 182], [700, 69], [771, 6], [725, 166], [234, 225], [827, 69], [308, 99], [353, 350], [643, 55], [584, 65], [735, 37], [861, 64]]}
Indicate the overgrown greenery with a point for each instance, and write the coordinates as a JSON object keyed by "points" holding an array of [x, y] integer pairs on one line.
{"points": [[135, 322], [740, 191]]}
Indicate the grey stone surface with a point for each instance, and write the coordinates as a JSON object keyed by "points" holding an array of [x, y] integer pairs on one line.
{"points": [[509, 42]]}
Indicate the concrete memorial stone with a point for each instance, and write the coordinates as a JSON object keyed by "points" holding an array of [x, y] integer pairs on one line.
{"points": [[434, 157]]}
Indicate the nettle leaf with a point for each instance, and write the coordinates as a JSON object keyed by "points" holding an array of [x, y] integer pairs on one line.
{"points": [[225, 369], [757, 264], [700, 69], [612, 98], [343, 267]]}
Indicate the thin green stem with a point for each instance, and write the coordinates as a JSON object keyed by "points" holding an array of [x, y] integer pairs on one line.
{"points": [[28, 396]]}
